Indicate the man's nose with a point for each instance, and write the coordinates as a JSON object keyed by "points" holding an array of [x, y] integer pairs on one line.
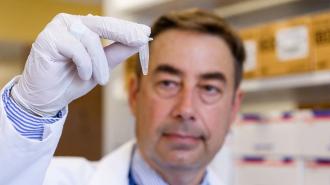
{"points": [[184, 108]]}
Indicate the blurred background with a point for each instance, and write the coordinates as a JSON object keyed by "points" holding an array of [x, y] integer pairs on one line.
{"points": [[284, 127]]}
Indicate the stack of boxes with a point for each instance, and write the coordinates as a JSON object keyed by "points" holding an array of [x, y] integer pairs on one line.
{"points": [[287, 47], [283, 148]]}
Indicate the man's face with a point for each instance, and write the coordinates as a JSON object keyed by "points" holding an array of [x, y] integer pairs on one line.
{"points": [[184, 106]]}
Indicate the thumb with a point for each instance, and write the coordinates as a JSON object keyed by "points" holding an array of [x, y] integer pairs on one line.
{"points": [[116, 53]]}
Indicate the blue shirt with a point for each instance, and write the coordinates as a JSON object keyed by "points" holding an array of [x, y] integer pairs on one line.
{"points": [[143, 174], [27, 124]]}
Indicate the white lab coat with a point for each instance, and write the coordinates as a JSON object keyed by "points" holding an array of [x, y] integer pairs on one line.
{"points": [[25, 162]]}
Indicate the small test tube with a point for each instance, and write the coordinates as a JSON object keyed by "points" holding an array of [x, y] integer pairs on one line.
{"points": [[144, 58]]}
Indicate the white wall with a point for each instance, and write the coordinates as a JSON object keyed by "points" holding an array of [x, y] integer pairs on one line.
{"points": [[118, 121]]}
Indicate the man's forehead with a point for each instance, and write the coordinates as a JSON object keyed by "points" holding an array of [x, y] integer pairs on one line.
{"points": [[197, 53], [171, 38]]}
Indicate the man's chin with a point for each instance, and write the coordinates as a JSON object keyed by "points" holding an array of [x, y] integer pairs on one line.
{"points": [[182, 160]]}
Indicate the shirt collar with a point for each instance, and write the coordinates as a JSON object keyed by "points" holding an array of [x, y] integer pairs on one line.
{"points": [[143, 174]]}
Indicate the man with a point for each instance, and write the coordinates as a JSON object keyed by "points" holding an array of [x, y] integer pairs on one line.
{"points": [[183, 107]]}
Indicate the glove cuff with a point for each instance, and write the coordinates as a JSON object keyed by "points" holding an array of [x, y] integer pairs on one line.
{"points": [[20, 102]]}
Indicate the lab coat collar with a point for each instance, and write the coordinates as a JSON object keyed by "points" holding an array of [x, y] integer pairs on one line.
{"points": [[113, 169]]}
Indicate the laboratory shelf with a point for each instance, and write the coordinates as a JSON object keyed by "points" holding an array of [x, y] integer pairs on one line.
{"points": [[304, 80], [286, 92]]}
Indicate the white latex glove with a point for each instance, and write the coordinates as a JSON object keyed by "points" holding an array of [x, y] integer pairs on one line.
{"points": [[67, 59]]}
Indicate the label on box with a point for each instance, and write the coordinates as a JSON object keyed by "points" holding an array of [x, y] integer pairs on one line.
{"points": [[251, 52], [292, 43]]}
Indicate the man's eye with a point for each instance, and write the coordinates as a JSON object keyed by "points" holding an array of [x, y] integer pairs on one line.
{"points": [[211, 90], [167, 88], [210, 93], [168, 84]]}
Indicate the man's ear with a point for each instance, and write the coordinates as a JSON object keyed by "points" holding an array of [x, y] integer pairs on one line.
{"points": [[133, 88], [236, 104]]}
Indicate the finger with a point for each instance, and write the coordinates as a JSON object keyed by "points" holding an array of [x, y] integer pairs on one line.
{"points": [[126, 32], [71, 48], [116, 53], [92, 43]]}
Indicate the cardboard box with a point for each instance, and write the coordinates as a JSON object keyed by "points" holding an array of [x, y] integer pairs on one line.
{"points": [[267, 173], [266, 49], [292, 51], [317, 173], [320, 26], [275, 137], [316, 135], [9, 69], [250, 40]]}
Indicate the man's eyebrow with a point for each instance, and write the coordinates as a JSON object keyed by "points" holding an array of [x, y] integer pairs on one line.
{"points": [[164, 68], [214, 76]]}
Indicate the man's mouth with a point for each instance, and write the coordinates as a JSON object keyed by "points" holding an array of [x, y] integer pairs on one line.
{"points": [[182, 138]]}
